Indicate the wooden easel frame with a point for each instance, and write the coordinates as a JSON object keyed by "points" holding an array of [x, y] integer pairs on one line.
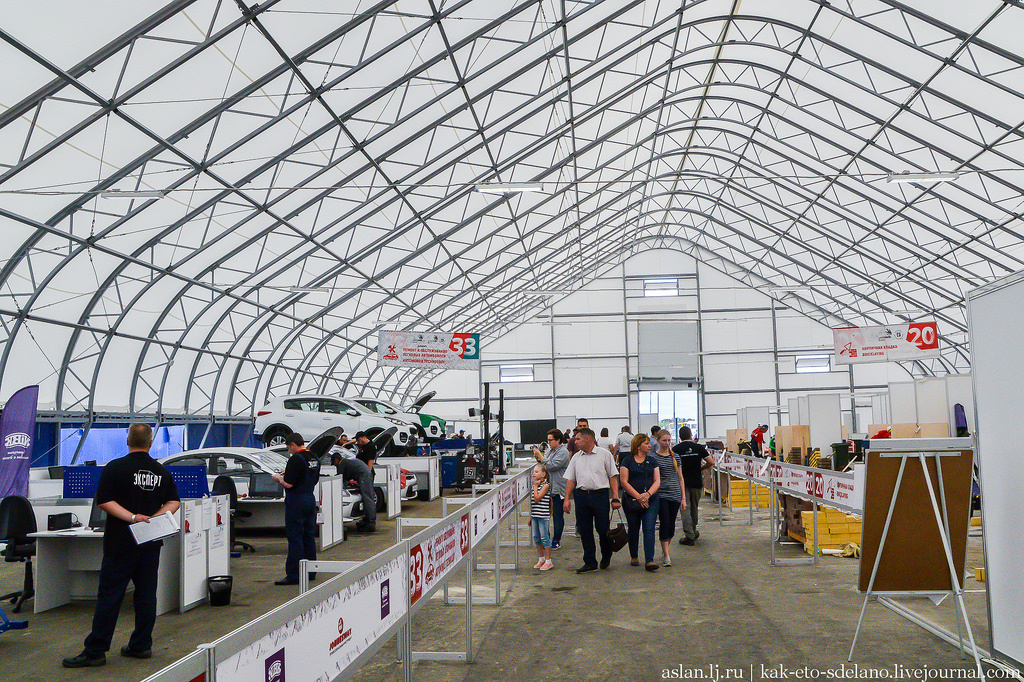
{"points": [[941, 519]]}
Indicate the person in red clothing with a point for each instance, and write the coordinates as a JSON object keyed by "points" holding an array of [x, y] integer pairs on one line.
{"points": [[757, 439]]}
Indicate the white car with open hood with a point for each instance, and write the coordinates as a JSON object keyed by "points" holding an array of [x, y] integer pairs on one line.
{"points": [[313, 414]]}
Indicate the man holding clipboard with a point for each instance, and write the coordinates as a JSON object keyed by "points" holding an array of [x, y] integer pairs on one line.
{"points": [[132, 489]]}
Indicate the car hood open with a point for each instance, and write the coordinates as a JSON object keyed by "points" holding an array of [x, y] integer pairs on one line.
{"points": [[421, 401]]}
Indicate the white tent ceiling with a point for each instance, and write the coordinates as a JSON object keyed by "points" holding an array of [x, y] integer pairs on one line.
{"points": [[335, 146]]}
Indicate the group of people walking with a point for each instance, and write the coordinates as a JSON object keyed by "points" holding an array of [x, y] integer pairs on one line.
{"points": [[656, 481]]}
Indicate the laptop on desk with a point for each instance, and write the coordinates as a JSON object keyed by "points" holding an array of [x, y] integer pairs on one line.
{"points": [[264, 487]]}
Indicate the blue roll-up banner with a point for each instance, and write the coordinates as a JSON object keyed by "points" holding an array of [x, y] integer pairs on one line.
{"points": [[17, 428]]}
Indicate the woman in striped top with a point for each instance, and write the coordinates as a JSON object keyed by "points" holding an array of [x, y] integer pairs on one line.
{"points": [[671, 493], [540, 515]]}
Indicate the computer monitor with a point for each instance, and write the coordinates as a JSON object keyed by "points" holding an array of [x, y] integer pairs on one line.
{"points": [[264, 485], [97, 517], [56, 472]]}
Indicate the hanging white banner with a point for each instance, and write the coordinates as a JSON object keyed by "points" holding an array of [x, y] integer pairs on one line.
{"points": [[428, 349], [917, 341]]}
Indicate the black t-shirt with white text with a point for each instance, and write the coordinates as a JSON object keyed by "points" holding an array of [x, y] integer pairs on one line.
{"points": [[138, 483], [302, 473], [691, 458]]}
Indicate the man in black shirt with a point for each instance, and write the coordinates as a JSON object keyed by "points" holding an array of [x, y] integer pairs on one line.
{"points": [[131, 489], [693, 458], [300, 476]]}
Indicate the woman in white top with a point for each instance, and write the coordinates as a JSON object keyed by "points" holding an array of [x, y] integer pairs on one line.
{"points": [[605, 442]]}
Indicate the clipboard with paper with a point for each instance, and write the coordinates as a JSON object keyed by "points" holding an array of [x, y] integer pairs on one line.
{"points": [[159, 527]]}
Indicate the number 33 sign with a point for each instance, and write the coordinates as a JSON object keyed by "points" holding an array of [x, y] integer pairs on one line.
{"points": [[466, 346]]}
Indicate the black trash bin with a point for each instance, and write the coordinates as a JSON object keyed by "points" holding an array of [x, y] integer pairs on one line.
{"points": [[840, 455], [219, 588]]}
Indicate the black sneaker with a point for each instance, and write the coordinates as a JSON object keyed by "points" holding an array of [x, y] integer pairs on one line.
{"points": [[287, 581], [688, 541], [83, 660], [696, 535], [586, 568], [606, 562], [131, 653]]}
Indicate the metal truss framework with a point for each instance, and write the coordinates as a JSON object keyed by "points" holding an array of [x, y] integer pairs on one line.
{"points": [[317, 164]]}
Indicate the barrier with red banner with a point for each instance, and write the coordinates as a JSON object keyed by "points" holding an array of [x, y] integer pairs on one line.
{"points": [[831, 488]]}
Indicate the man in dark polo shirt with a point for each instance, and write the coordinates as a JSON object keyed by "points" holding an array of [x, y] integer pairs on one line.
{"points": [[360, 470], [131, 489], [693, 459], [300, 476]]}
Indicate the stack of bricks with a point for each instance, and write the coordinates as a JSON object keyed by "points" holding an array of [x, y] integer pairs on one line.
{"points": [[795, 456], [792, 508], [835, 529], [739, 495]]}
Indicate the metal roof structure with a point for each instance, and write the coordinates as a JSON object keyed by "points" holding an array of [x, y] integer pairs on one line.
{"points": [[295, 174]]}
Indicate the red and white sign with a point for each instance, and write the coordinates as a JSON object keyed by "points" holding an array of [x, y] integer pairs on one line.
{"points": [[434, 558], [916, 341], [442, 350]]}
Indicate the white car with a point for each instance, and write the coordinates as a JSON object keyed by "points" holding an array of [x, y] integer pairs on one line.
{"points": [[308, 414], [429, 427], [242, 463]]}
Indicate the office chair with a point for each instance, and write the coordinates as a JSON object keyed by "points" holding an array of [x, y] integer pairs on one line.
{"points": [[225, 485], [16, 522]]}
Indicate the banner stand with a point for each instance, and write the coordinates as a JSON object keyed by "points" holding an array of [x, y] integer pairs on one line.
{"points": [[404, 639], [956, 589]]}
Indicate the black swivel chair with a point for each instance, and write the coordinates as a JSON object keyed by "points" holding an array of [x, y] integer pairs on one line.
{"points": [[225, 485], [17, 520]]}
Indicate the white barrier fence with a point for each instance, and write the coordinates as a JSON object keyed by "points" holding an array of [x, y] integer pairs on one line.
{"points": [[840, 490], [331, 630]]}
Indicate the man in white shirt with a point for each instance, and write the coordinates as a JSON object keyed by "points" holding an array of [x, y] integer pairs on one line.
{"points": [[590, 474], [622, 442]]}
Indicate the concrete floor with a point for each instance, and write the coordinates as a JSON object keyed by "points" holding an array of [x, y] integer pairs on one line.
{"points": [[721, 604]]}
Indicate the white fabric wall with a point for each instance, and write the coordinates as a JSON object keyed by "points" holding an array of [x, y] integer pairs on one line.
{"points": [[585, 363]]}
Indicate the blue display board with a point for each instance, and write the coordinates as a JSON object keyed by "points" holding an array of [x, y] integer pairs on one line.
{"points": [[81, 482]]}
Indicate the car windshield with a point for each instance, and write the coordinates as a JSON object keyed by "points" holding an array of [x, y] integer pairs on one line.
{"points": [[272, 461]]}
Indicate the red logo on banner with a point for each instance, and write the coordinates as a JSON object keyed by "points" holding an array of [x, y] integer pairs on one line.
{"points": [[464, 534]]}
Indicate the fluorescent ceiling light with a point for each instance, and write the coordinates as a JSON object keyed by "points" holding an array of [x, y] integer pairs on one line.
{"points": [[798, 287], [943, 176], [307, 290], [133, 194], [543, 292], [509, 187]]}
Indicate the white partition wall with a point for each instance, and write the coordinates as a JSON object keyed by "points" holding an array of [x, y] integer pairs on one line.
{"points": [[825, 420], [998, 377], [960, 390], [903, 403], [931, 400]]}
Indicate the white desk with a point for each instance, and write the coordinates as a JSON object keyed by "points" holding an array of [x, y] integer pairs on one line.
{"points": [[67, 567]]}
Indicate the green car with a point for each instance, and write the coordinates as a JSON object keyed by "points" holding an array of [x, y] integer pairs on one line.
{"points": [[429, 427]]}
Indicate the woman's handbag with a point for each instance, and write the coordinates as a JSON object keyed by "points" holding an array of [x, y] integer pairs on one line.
{"points": [[631, 504], [617, 536]]}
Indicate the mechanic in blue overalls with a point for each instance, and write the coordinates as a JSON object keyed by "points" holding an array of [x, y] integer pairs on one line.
{"points": [[300, 476]]}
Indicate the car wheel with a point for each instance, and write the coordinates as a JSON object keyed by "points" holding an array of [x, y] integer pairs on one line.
{"points": [[382, 500], [275, 436]]}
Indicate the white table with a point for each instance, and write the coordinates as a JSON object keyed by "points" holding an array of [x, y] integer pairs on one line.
{"points": [[67, 567]]}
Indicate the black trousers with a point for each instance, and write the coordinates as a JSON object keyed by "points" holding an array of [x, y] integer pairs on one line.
{"points": [[140, 566], [667, 512], [593, 508], [300, 529]]}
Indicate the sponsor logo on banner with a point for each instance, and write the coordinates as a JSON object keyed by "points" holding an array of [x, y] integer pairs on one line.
{"points": [[385, 598], [275, 667], [430, 561], [442, 350], [343, 636], [17, 440], [887, 343]]}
